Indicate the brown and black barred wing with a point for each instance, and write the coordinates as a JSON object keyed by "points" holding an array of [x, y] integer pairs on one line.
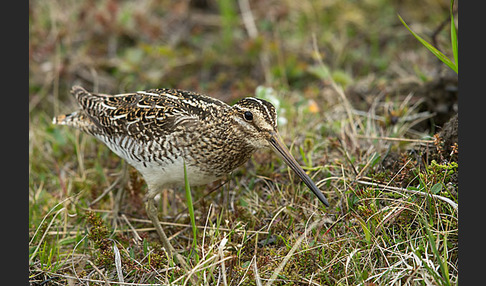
{"points": [[142, 115]]}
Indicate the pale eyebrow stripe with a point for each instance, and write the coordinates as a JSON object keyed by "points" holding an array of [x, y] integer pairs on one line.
{"points": [[261, 103]]}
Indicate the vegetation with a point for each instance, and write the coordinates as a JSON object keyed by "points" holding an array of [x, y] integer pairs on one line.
{"points": [[454, 43], [361, 106]]}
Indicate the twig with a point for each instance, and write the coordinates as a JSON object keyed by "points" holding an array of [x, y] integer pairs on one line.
{"points": [[348, 260], [43, 219], [248, 19], [255, 271], [389, 188], [185, 210], [72, 254], [107, 283], [74, 232], [135, 233], [291, 253], [198, 226], [100, 281], [201, 267], [395, 139], [251, 29], [439, 28], [107, 190], [340, 92], [44, 235]]}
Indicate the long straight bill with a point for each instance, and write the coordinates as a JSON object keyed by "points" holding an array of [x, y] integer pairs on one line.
{"points": [[282, 150]]}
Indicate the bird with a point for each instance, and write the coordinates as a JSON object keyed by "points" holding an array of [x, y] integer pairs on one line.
{"points": [[162, 131]]}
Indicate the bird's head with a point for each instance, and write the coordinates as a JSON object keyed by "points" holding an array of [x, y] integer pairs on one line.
{"points": [[257, 119]]}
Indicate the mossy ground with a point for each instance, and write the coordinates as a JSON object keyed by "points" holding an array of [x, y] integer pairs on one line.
{"points": [[359, 101]]}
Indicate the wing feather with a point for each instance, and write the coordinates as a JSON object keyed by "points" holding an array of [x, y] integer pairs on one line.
{"points": [[145, 115]]}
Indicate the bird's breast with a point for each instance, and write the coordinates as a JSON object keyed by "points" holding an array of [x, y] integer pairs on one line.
{"points": [[161, 162]]}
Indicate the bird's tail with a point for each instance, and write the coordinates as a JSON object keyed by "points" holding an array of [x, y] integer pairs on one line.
{"points": [[64, 119], [77, 119]]}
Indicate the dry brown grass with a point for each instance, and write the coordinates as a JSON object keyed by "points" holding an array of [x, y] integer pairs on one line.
{"points": [[346, 89]]}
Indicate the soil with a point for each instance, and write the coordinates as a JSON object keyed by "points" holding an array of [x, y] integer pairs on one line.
{"points": [[440, 98]]}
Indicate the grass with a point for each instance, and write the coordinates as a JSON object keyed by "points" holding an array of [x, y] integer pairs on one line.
{"points": [[454, 43], [190, 208], [339, 84]]}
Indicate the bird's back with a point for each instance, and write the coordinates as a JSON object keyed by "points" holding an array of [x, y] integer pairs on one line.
{"points": [[142, 115], [159, 130]]}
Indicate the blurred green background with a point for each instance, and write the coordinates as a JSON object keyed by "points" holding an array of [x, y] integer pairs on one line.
{"points": [[298, 54], [227, 48]]}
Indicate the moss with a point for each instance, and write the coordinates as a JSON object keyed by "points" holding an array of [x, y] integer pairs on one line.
{"points": [[99, 235]]}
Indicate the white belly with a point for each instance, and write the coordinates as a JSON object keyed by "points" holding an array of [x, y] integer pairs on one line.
{"points": [[159, 171], [173, 174]]}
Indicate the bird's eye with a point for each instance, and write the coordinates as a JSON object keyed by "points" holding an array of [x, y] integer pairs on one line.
{"points": [[248, 115]]}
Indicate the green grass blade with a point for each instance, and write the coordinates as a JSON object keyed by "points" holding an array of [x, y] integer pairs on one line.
{"points": [[366, 230], [455, 50], [441, 260], [431, 48], [190, 206]]}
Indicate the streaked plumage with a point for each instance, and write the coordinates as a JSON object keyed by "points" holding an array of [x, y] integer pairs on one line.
{"points": [[158, 130]]}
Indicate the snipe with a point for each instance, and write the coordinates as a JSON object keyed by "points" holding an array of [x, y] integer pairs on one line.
{"points": [[159, 130]]}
